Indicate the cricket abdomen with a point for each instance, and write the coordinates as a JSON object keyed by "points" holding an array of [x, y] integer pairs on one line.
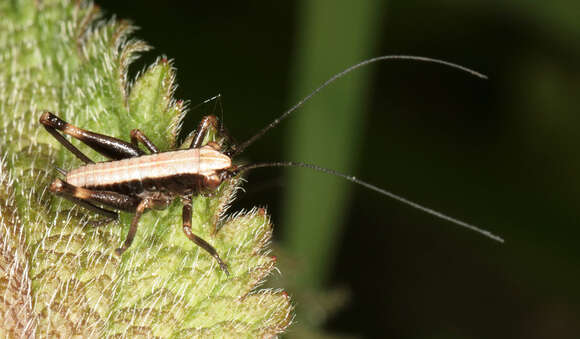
{"points": [[178, 172]]}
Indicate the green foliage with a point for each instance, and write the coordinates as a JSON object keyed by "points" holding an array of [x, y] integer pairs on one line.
{"points": [[316, 227], [59, 275]]}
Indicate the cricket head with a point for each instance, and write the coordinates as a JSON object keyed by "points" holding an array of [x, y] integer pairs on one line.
{"points": [[214, 165]]}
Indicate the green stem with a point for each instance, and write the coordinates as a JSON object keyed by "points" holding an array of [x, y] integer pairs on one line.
{"points": [[332, 35]]}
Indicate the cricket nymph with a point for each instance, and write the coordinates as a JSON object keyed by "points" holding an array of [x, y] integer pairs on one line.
{"points": [[136, 182]]}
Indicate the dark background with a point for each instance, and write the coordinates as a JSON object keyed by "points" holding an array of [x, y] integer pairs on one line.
{"points": [[502, 153]]}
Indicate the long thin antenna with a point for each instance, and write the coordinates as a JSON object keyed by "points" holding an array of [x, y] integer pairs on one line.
{"points": [[241, 147], [399, 198]]}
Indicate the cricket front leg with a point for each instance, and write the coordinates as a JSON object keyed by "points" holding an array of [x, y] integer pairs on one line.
{"points": [[205, 124], [197, 240], [138, 136]]}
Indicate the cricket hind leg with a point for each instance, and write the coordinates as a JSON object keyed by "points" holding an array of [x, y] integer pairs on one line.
{"points": [[89, 198], [112, 148], [186, 215], [92, 207]]}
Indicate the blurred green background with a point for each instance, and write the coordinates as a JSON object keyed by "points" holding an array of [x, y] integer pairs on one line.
{"points": [[501, 153]]}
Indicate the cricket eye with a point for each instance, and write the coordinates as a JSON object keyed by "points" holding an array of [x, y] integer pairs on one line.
{"points": [[212, 182]]}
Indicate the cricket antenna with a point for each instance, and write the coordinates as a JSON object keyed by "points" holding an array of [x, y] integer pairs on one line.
{"points": [[241, 147], [350, 178]]}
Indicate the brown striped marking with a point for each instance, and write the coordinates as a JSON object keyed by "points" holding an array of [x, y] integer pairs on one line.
{"points": [[188, 164]]}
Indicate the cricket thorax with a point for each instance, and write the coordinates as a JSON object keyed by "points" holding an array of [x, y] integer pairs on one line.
{"points": [[175, 171]]}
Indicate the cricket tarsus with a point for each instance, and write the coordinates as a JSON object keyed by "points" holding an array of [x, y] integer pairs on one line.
{"points": [[391, 195], [241, 147]]}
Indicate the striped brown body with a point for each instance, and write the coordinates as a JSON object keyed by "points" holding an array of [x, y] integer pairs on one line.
{"points": [[177, 172], [134, 181]]}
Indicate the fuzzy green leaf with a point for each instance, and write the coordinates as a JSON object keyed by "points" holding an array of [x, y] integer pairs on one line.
{"points": [[59, 275]]}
